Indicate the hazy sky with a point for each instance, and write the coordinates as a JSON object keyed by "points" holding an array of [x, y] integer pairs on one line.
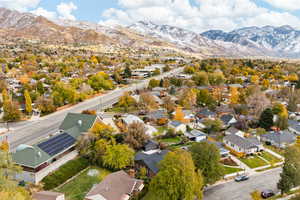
{"points": [[197, 15]]}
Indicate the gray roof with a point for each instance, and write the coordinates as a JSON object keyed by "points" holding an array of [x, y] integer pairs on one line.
{"points": [[206, 112], [158, 114], [151, 160], [195, 133], [244, 143], [151, 145], [232, 130], [294, 124], [175, 123], [226, 118], [280, 137]]}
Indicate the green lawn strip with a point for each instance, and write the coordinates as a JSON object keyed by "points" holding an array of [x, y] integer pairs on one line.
{"points": [[253, 162], [231, 170], [77, 188], [171, 140], [269, 157], [275, 149]]}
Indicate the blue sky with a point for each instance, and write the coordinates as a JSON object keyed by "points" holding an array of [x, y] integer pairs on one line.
{"points": [[197, 15]]}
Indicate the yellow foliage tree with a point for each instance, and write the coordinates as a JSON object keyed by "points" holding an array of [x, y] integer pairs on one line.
{"points": [[255, 79], [179, 115], [256, 195], [234, 98]]}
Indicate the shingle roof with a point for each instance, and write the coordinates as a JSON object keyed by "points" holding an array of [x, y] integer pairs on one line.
{"points": [[151, 160], [244, 143], [195, 133], [129, 119], [232, 130], [158, 114], [226, 118], [115, 186], [206, 112], [75, 119], [175, 123], [294, 124], [46, 195], [280, 137]]}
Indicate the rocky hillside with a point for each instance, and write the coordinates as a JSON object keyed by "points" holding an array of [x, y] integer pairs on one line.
{"points": [[280, 41]]}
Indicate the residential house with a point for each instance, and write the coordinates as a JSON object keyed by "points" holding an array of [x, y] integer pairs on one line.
{"points": [[234, 131], [129, 119], [196, 135], [242, 145], [177, 126], [294, 127], [279, 139], [228, 120], [223, 151], [47, 195], [150, 160], [150, 130], [151, 145], [224, 109], [205, 113], [158, 116], [42, 158], [115, 186]]}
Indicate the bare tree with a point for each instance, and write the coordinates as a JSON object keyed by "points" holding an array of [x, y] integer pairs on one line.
{"points": [[136, 136], [257, 102]]}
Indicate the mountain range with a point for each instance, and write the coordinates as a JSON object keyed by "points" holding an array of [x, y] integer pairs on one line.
{"points": [[270, 41]]}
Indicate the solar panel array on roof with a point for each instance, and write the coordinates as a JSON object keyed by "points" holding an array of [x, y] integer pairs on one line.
{"points": [[57, 144]]}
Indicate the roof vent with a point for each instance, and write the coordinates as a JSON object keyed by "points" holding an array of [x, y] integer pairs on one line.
{"points": [[80, 122], [39, 154]]}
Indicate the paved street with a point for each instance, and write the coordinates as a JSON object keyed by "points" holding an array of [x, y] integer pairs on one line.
{"points": [[241, 191], [32, 131]]}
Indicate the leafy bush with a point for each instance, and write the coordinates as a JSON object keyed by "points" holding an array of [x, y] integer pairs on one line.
{"points": [[64, 173]]}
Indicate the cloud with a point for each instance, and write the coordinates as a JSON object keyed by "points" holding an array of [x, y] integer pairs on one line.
{"points": [[200, 16], [65, 10], [285, 4], [45, 13], [20, 5]]}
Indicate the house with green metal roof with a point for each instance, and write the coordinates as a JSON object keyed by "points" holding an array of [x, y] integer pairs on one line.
{"points": [[40, 159]]}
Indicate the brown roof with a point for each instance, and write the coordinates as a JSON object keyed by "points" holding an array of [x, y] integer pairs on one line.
{"points": [[47, 195], [115, 186]]}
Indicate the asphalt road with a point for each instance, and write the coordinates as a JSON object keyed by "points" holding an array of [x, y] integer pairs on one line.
{"points": [[241, 191], [33, 131]]}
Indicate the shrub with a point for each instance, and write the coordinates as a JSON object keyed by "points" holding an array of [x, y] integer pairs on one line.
{"points": [[64, 173]]}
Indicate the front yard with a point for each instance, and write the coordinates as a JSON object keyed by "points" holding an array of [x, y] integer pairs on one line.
{"points": [[174, 140], [231, 170], [270, 158], [77, 188], [253, 161]]}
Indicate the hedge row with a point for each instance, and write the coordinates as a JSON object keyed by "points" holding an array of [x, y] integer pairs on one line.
{"points": [[64, 173]]}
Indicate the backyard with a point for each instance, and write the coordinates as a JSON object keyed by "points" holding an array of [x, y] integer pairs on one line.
{"points": [[77, 188], [253, 161]]}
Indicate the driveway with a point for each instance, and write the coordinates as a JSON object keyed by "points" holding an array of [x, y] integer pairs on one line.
{"points": [[241, 191]]}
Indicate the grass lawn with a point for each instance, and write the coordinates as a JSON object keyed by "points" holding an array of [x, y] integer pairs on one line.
{"points": [[253, 162], [162, 129], [171, 140], [275, 149], [231, 170], [269, 157], [78, 187]]}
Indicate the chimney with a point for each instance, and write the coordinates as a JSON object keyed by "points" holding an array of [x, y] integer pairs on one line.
{"points": [[79, 122]]}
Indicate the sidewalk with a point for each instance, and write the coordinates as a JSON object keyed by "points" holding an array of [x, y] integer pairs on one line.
{"points": [[242, 165], [274, 153]]}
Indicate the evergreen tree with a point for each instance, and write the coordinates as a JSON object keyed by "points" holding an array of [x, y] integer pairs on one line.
{"points": [[266, 119], [127, 72]]}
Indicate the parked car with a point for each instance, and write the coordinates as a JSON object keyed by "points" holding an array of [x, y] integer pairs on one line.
{"points": [[241, 178], [267, 193]]}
